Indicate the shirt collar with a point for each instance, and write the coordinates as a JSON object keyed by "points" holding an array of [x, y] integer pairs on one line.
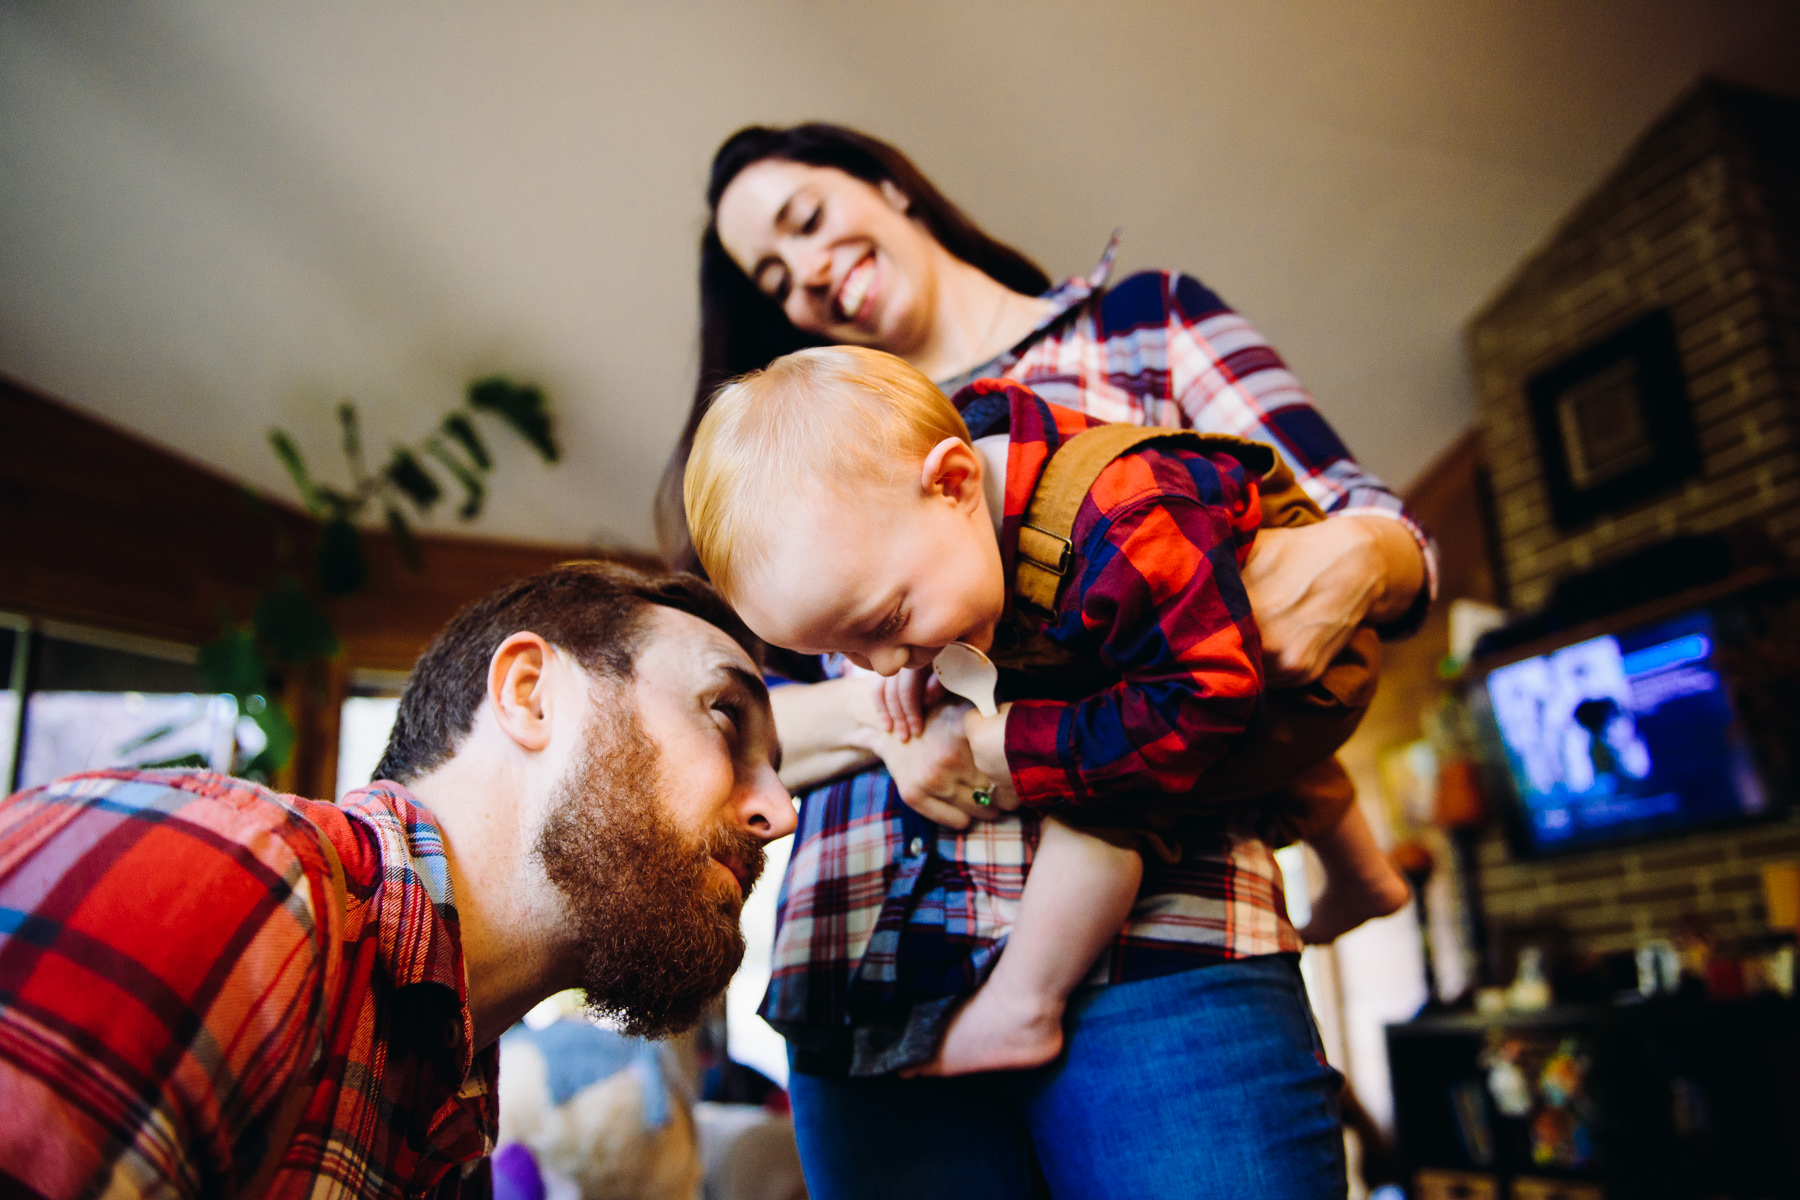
{"points": [[417, 930], [1075, 289]]}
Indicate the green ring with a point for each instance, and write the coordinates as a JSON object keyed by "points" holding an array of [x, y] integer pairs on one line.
{"points": [[983, 796]]}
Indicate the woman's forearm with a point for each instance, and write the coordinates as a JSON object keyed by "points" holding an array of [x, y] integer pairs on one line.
{"points": [[1400, 563], [823, 729]]}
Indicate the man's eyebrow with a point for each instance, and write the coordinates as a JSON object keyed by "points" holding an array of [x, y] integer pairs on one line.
{"points": [[753, 683]]}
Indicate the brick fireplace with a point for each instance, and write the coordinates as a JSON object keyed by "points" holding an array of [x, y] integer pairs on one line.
{"points": [[1638, 379]]}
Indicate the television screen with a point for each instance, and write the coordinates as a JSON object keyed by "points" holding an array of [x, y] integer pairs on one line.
{"points": [[1626, 735]]}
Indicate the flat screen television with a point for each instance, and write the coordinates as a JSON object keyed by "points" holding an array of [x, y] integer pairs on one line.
{"points": [[1627, 734]]}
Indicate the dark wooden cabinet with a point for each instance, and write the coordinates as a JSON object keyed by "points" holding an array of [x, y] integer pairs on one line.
{"points": [[1666, 1099]]}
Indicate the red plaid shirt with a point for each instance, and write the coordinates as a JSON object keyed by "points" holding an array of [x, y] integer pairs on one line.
{"points": [[1153, 597], [175, 966]]}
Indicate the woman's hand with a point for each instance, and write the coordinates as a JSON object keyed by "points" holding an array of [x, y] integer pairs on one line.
{"points": [[1311, 586], [902, 700], [936, 772]]}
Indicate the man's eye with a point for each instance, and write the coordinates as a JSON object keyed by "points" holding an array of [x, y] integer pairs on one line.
{"points": [[733, 712], [811, 224]]}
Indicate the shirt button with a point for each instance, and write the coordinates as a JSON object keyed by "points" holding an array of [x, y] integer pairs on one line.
{"points": [[452, 1033], [916, 846]]}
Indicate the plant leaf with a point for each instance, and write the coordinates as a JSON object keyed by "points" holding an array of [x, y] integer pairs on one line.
{"points": [[155, 735], [342, 568], [473, 491], [404, 540], [410, 477], [233, 665], [522, 406], [290, 627], [462, 429], [295, 462], [346, 414]]}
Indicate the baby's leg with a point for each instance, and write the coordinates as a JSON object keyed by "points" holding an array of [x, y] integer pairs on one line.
{"points": [[1360, 882], [1076, 899]]}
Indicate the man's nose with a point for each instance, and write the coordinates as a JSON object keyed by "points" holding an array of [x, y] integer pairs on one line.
{"points": [[768, 810]]}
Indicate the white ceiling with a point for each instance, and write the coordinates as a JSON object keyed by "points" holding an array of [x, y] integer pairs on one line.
{"points": [[215, 217]]}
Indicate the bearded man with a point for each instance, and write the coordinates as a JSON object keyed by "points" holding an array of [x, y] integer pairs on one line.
{"points": [[210, 989]]}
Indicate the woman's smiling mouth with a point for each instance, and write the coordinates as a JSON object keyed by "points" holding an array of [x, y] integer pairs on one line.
{"points": [[856, 295]]}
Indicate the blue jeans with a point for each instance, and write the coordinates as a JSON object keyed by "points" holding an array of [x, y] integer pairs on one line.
{"points": [[1204, 1083]]}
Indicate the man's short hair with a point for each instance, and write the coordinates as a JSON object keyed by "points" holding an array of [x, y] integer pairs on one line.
{"points": [[593, 611], [844, 417]]}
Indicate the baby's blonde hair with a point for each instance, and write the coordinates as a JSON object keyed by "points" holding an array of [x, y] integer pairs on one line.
{"points": [[843, 417]]}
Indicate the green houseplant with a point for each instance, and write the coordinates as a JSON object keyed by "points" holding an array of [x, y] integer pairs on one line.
{"points": [[288, 630]]}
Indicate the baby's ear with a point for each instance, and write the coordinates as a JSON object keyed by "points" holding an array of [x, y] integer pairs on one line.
{"points": [[953, 470]]}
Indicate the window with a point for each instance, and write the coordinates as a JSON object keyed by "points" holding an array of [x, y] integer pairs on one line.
{"points": [[82, 699], [364, 724]]}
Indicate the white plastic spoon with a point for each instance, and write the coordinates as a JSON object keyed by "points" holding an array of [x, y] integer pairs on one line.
{"points": [[966, 671]]}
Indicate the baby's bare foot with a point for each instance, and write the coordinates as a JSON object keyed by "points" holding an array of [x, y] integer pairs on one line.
{"points": [[1344, 905], [995, 1031]]}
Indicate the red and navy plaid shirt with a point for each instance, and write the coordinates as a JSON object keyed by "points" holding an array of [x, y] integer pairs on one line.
{"points": [[1154, 599], [881, 909], [175, 967]]}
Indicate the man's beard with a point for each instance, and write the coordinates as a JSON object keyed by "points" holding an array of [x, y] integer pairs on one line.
{"points": [[657, 941]]}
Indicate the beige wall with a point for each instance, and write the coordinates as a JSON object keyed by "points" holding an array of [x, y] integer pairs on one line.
{"points": [[216, 217]]}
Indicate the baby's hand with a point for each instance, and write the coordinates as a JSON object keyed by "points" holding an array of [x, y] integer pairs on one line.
{"points": [[937, 778], [987, 746], [901, 701]]}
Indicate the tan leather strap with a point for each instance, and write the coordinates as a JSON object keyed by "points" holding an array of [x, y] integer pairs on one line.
{"points": [[293, 1105], [1045, 547]]}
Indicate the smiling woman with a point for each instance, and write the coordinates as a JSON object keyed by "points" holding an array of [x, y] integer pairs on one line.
{"points": [[846, 262], [825, 235]]}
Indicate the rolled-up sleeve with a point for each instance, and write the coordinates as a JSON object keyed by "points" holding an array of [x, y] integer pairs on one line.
{"points": [[1227, 378]]}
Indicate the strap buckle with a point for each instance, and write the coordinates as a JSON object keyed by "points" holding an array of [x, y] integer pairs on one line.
{"points": [[1045, 550]]}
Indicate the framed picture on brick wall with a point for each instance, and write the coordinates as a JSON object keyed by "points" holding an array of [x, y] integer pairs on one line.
{"points": [[1614, 424]]}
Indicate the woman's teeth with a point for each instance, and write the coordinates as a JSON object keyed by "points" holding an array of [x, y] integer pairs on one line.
{"points": [[850, 297]]}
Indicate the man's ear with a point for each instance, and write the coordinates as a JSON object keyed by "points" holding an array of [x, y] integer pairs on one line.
{"points": [[897, 199], [952, 470], [519, 689]]}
